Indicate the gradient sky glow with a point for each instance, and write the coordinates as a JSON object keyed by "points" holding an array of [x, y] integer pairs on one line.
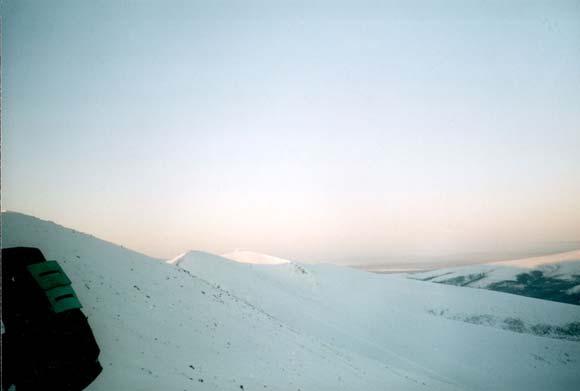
{"points": [[340, 130]]}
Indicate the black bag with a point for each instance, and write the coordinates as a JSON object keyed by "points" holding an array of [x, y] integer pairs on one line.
{"points": [[48, 342]]}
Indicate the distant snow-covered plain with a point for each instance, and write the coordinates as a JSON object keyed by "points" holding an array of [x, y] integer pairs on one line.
{"points": [[205, 322]]}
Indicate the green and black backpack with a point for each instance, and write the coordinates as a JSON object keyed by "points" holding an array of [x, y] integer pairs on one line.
{"points": [[47, 342]]}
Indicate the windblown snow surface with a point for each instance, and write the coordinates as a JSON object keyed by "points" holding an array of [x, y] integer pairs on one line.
{"points": [[207, 323]]}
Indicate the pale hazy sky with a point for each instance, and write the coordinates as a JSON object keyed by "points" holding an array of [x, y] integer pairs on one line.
{"points": [[338, 130]]}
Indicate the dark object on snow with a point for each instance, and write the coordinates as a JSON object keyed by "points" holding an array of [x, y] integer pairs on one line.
{"points": [[47, 343]]}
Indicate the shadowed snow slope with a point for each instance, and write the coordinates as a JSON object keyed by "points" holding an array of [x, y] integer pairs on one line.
{"points": [[206, 323]]}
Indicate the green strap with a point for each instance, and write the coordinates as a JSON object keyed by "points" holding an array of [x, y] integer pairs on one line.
{"points": [[63, 298], [48, 274], [56, 285]]}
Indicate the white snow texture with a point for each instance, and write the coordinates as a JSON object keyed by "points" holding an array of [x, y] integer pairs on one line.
{"points": [[205, 322]]}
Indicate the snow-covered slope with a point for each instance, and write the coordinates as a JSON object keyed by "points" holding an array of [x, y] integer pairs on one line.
{"points": [[469, 339], [207, 323], [162, 328], [553, 277], [246, 256]]}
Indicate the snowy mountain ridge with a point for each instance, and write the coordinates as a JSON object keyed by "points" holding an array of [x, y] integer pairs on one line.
{"points": [[553, 277], [208, 323], [247, 256]]}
